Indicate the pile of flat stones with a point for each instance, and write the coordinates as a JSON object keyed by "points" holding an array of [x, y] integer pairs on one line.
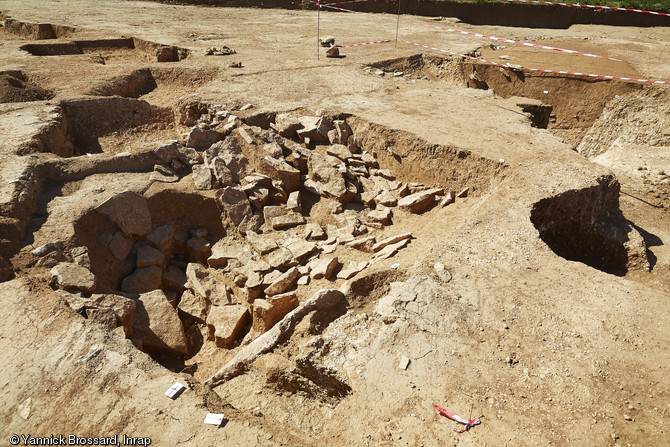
{"points": [[144, 309], [240, 286], [261, 178]]}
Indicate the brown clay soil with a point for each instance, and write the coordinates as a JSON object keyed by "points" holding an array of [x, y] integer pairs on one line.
{"points": [[14, 89], [539, 301]]}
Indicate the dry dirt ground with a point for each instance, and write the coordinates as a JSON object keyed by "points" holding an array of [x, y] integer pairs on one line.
{"points": [[539, 301]]}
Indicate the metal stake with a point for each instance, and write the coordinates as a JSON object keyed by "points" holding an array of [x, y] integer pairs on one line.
{"points": [[397, 26], [318, 32]]}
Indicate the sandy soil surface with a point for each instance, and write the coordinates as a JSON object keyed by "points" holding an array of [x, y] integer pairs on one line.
{"points": [[492, 301]]}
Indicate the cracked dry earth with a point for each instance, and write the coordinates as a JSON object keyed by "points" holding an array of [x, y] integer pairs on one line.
{"points": [[321, 250]]}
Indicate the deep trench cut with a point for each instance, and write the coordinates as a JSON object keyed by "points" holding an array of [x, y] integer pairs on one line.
{"points": [[580, 225], [568, 105], [587, 226]]}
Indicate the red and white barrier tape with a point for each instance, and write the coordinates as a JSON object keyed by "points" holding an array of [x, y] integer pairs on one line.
{"points": [[359, 12], [592, 6], [500, 39], [527, 44], [329, 6], [342, 3], [590, 75], [365, 43]]}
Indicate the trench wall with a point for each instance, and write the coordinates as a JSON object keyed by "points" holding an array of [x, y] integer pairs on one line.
{"points": [[507, 14]]}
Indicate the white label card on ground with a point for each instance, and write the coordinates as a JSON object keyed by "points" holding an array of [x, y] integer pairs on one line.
{"points": [[175, 390], [214, 419]]}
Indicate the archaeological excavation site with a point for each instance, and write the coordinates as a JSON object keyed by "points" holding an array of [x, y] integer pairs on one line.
{"points": [[301, 224]]}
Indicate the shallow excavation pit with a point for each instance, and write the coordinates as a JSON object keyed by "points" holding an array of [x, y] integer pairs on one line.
{"points": [[566, 105], [88, 136], [150, 50], [36, 31], [94, 125], [246, 220], [139, 83], [118, 110]]}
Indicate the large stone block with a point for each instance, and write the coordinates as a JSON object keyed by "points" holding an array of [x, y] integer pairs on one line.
{"points": [[267, 312], [417, 202], [71, 276], [193, 306], [235, 204], [226, 323], [129, 211], [201, 139], [278, 169], [143, 280], [285, 282], [157, 325]]}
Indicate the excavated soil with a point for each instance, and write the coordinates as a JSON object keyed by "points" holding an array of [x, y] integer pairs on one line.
{"points": [[323, 249], [14, 88]]}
